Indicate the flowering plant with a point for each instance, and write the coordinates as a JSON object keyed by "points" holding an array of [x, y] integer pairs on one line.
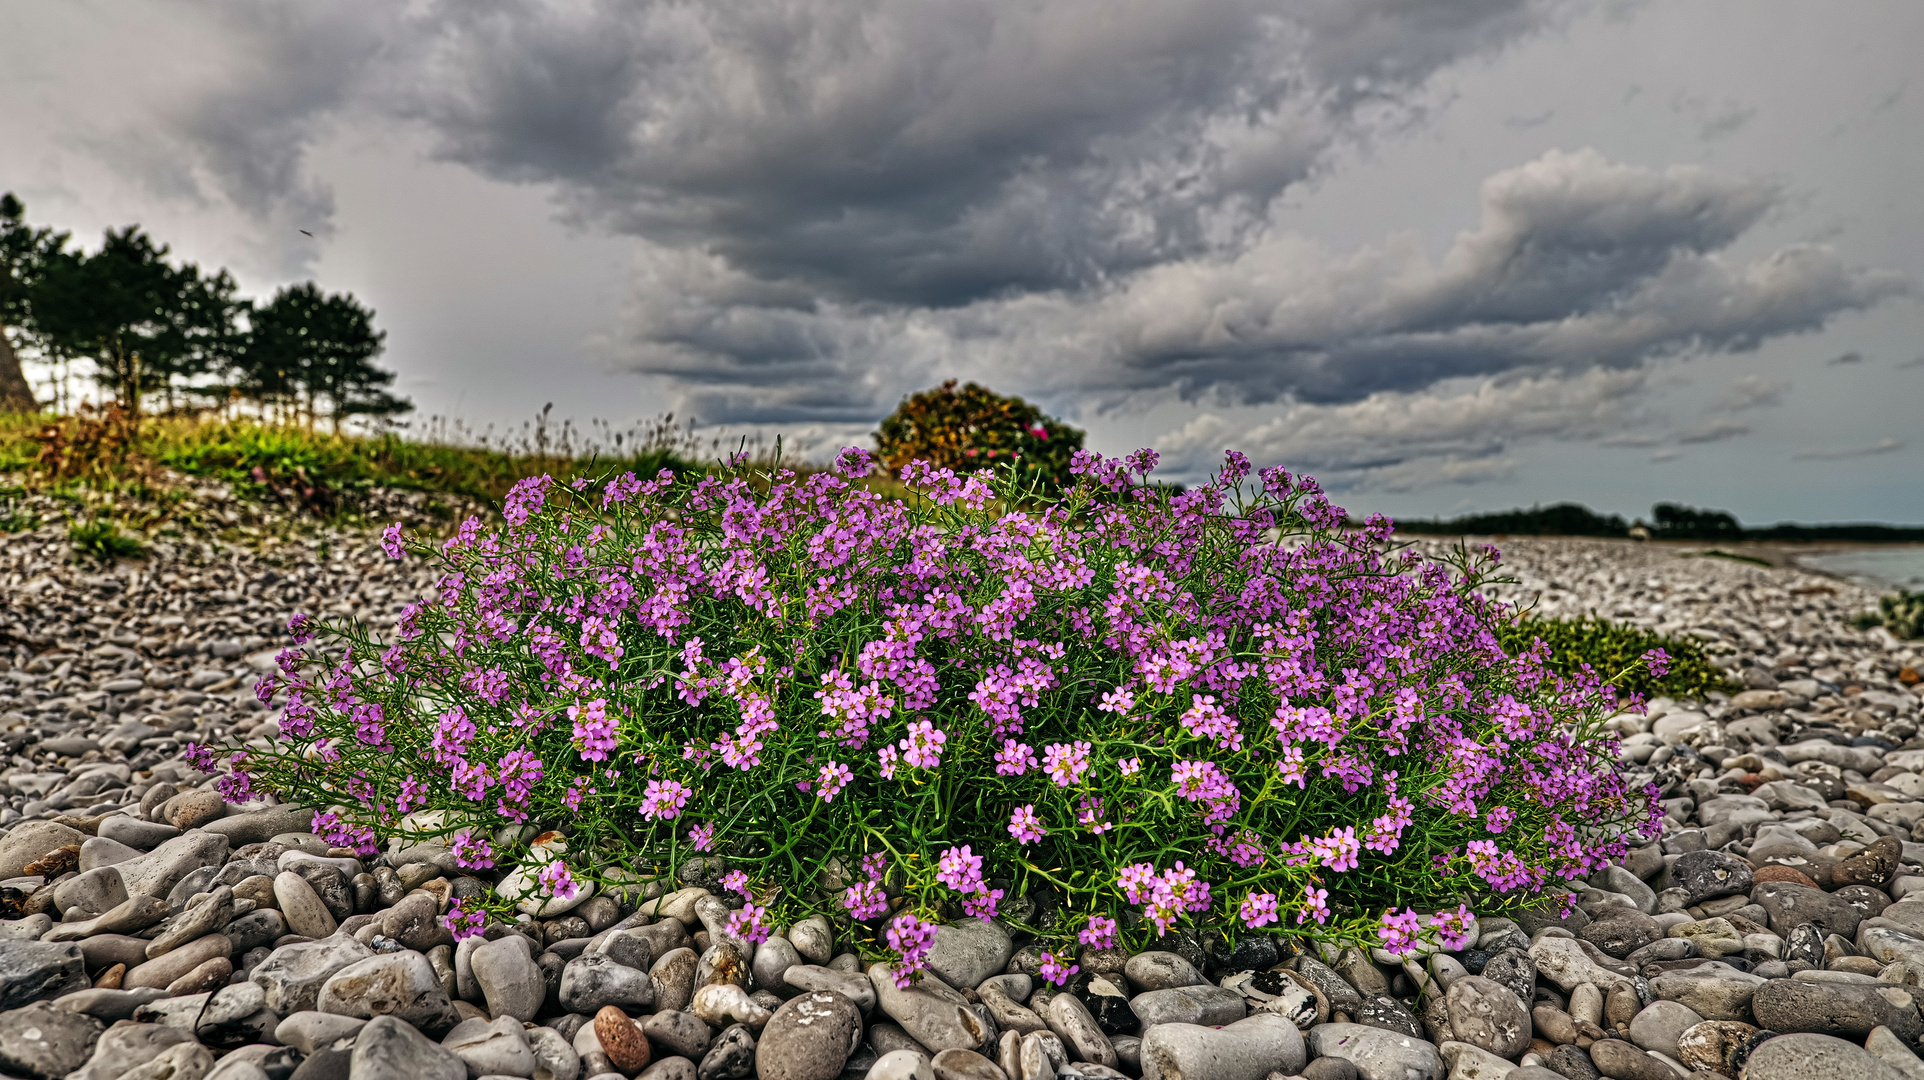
{"points": [[1145, 708]]}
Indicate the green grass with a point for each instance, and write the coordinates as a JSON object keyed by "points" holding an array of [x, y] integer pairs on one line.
{"points": [[101, 539], [1610, 647], [315, 469]]}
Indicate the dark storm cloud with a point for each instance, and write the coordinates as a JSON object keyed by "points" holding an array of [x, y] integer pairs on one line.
{"points": [[838, 202]]}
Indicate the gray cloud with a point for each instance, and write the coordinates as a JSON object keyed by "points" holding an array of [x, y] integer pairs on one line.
{"points": [[837, 203], [1398, 441], [1881, 446], [1751, 392], [1577, 262], [1713, 429], [1852, 357]]}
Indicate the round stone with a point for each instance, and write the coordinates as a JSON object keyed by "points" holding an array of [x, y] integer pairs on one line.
{"points": [[810, 1038], [1488, 1016], [624, 1043]]}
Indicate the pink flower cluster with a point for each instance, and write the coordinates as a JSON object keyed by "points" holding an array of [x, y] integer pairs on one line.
{"points": [[989, 685]]}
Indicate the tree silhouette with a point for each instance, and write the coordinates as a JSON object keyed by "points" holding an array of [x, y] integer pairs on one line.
{"points": [[143, 321], [24, 253], [305, 348]]}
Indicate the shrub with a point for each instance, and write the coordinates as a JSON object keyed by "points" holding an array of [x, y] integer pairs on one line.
{"points": [[1121, 711], [974, 429], [1902, 615], [102, 539], [1612, 650]]}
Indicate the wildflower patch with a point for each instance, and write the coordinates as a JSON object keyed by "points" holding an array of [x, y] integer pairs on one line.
{"points": [[1100, 716]]}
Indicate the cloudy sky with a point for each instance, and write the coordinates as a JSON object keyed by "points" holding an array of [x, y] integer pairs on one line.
{"points": [[1446, 255]]}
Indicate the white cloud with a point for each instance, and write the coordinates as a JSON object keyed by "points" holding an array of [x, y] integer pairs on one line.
{"points": [[1713, 429], [1397, 440], [1881, 446], [1751, 392]]}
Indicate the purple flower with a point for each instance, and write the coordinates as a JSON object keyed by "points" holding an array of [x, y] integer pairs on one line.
{"points": [[960, 869], [1399, 931], [664, 799], [198, 756], [911, 938], [1258, 910], [737, 881], [1658, 661], [1100, 933], [923, 747], [748, 923], [391, 540], [594, 729], [865, 900], [702, 837], [1315, 906], [463, 923], [557, 882], [1053, 970], [1025, 826], [833, 777], [300, 627], [1066, 763], [471, 850]]}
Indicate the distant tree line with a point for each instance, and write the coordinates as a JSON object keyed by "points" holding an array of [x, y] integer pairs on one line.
{"points": [[1668, 521], [154, 327]]}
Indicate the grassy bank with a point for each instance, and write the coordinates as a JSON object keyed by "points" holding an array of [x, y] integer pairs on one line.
{"points": [[320, 470]]}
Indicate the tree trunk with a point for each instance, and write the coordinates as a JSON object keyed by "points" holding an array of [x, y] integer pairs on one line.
{"points": [[15, 395]]}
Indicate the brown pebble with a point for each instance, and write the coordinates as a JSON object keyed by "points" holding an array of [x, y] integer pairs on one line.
{"points": [[1774, 872], [54, 863], [110, 978], [209, 976], [1909, 676], [622, 1040], [1872, 866]]}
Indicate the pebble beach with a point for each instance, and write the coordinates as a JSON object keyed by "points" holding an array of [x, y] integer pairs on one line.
{"points": [[149, 930]]}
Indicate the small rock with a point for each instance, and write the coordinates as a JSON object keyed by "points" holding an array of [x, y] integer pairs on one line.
{"points": [[401, 984], [1837, 1008], [968, 951], [1719, 1045], [309, 1031], [725, 1003], [810, 1038], [1626, 1061], [294, 974], [1659, 1024], [1815, 1057], [679, 1032], [389, 1049], [622, 1040], [1706, 875], [1246, 1050], [1488, 1016], [732, 1057], [31, 970], [301, 906], [46, 1042], [594, 980], [1161, 971], [902, 1065], [935, 1015], [508, 978], [497, 1048]]}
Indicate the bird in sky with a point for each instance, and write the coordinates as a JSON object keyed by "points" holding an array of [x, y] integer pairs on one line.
{"points": [[307, 234]]}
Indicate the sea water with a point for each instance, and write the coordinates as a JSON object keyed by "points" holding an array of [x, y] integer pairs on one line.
{"points": [[1879, 568]]}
